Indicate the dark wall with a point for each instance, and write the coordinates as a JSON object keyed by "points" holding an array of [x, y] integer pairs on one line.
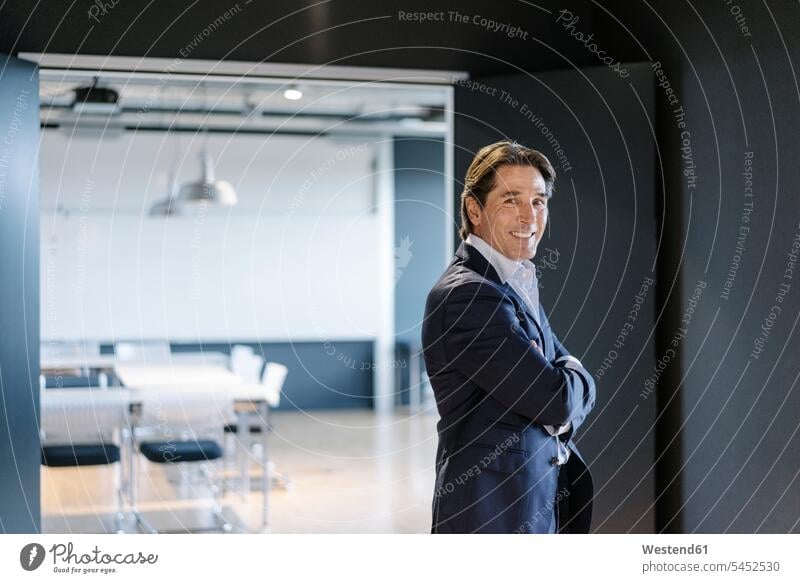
{"points": [[340, 32], [729, 398], [19, 297], [727, 448]]}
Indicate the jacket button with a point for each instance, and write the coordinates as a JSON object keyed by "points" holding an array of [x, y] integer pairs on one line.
{"points": [[553, 461]]}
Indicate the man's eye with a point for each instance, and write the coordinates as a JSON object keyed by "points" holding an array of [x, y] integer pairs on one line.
{"points": [[511, 201]]}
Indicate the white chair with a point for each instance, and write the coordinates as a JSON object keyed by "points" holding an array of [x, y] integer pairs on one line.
{"points": [[182, 427], [272, 381], [246, 364], [85, 427], [60, 349], [273, 378], [146, 351], [81, 353], [239, 351]]}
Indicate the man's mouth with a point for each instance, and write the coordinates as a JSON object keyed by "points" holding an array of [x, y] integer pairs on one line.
{"points": [[522, 234]]}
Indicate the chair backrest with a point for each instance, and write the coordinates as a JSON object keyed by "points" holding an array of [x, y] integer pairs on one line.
{"points": [[170, 414], [273, 379], [80, 416], [247, 366], [62, 349], [240, 350], [145, 351]]}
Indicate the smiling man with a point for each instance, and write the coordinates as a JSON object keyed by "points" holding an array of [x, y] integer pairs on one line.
{"points": [[509, 395]]}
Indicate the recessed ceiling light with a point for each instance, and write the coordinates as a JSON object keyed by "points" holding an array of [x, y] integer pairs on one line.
{"points": [[293, 93]]}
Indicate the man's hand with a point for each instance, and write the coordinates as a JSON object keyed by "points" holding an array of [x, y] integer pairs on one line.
{"points": [[536, 346]]}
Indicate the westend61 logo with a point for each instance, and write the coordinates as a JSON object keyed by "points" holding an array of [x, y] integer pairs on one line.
{"points": [[65, 560]]}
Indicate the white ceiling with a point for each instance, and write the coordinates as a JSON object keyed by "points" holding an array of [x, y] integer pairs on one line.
{"points": [[247, 104]]}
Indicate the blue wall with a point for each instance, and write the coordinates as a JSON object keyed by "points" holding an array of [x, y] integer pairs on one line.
{"points": [[420, 239]]}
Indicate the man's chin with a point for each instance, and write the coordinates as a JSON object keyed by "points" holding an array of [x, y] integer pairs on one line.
{"points": [[525, 255], [519, 252]]}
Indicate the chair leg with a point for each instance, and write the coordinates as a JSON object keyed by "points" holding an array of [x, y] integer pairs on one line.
{"points": [[120, 513], [277, 479], [229, 453], [132, 482], [280, 480], [243, 438], [216, 487]]}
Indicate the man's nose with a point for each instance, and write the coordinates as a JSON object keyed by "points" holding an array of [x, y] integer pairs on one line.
{"points": [[527, 213]]}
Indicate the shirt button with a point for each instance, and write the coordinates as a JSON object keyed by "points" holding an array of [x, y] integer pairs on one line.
{"points": [[554, 461]]}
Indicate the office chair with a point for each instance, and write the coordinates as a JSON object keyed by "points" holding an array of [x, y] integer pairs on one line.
{"points": [[247, 366], [272, 381], [80, 351], [182, 428], [58, 349], [83, 427]]}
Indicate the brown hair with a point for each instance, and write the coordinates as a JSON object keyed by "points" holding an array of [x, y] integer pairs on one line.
{"points": [[481, 173]]}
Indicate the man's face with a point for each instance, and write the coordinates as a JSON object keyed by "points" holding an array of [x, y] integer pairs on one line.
{"points": [[515, 214]]}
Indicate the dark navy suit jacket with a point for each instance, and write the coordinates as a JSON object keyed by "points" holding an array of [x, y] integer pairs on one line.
{"points": [[496, 465]]}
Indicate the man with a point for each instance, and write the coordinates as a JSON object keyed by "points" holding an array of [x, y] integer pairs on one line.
{"points": [[509, 394]]}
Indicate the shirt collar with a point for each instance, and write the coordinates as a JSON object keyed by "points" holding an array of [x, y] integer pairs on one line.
{"points": [[504, 266]]}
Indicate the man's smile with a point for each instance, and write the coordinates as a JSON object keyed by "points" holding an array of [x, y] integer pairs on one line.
{"points": [[523, 234]]}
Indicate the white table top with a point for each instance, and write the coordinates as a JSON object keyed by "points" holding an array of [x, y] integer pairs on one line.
{"points": [[187, 379], [111, 361], [164, 375], [237, 393], [186, 374], [96, 361]]}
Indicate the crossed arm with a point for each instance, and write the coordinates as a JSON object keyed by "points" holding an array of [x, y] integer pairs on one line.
{"points": [[486, 343]]}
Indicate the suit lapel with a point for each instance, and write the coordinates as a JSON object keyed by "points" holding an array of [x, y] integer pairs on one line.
{"points": [[523, 312], [474, 260]]}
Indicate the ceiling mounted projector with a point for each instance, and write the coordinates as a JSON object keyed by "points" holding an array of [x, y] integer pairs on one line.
{"points": [[94, 100]]}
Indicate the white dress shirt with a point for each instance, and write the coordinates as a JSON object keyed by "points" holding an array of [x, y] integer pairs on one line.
{"points": [[521, 276]]}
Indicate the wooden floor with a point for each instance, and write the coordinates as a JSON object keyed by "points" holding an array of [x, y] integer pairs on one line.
{"points": [[350, 472]]}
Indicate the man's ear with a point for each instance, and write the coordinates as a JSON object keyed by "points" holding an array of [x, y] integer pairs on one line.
{"points": [[474, 211]]}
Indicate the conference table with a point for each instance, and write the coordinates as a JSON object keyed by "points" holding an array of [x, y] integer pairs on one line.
{"points": [[189, 374], [100, 362]]}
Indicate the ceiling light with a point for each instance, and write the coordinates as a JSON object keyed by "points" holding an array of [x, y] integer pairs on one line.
{"points": [[293, 93], [208, 189], [167, 207]]}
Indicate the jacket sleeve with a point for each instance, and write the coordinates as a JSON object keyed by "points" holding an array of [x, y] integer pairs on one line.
{"points": [[583, 378], [484, 341]]}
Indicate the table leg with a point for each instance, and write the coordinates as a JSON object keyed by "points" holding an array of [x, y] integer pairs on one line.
{"points": [[243, 447], [266, 478]]}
